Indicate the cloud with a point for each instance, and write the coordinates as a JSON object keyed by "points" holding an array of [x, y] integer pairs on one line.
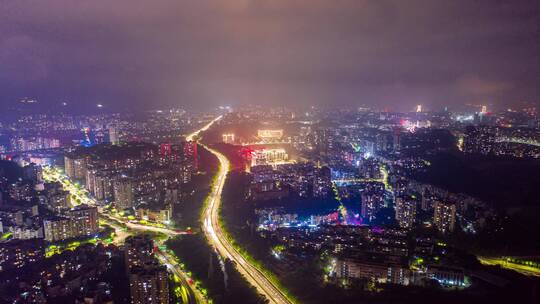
{"points": [[201, 53], [476, 86], [22, 60]]}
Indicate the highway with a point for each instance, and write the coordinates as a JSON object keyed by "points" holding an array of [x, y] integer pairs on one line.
{"points": [[516, 140], [497, 261], [217, 238], [212, 229], [189, 294], [135, 226]]}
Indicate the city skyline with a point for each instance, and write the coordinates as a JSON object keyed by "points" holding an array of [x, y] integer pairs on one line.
{"points": [[269, 151]]}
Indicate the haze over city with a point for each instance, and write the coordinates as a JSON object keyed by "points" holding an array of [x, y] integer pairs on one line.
{"points": [[385, 54], [269, 152]]}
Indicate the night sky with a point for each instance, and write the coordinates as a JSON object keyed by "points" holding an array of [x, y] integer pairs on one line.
{"points": [[201, 53]]}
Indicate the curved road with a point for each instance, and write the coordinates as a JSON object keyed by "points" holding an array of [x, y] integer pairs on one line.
{"points": [[190, 295], [217, 238]]}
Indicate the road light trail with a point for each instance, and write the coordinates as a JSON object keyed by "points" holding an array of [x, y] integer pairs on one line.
{"points": [[218, 239], [193, 295], [523, 269]]}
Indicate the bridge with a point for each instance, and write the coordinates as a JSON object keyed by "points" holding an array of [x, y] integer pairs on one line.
{"points": [[518, 140]]}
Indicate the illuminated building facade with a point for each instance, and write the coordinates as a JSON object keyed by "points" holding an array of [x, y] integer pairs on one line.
{"points": [[123, 193], [191, 155], [17, 254], [405, 211], [114, 137], [137, 249], [444, 216], [75, 166], [149, 285], [148, 281], [270, 134], [371, 204], [228, 138], [269, 156], [383, 272], [151, 214], [86, 217], [76, 223]]}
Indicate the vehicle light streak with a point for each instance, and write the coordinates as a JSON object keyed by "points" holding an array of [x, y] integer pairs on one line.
{"points": [[217, 238]]}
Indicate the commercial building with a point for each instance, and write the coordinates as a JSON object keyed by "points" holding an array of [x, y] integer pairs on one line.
{"points": [[269, 134], [154, 215], [228, 138], [269, 156]]}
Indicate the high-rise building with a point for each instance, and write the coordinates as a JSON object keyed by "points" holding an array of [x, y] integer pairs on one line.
{"points": [[69, 165], [80, 168], [137, 250], [27, 232], [324, 141], [397, 139], [322, 182], [149, 285], [77, 222], [75, 166], [190, 154], [405, 211], [114, 138], [123, 193], [172, 197], [58, 229], [371, 204], [86, 217], [19, 218], [148, 280], [104, 187], [165, 149], [444, 216], [90, 179], [33, 172]]}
